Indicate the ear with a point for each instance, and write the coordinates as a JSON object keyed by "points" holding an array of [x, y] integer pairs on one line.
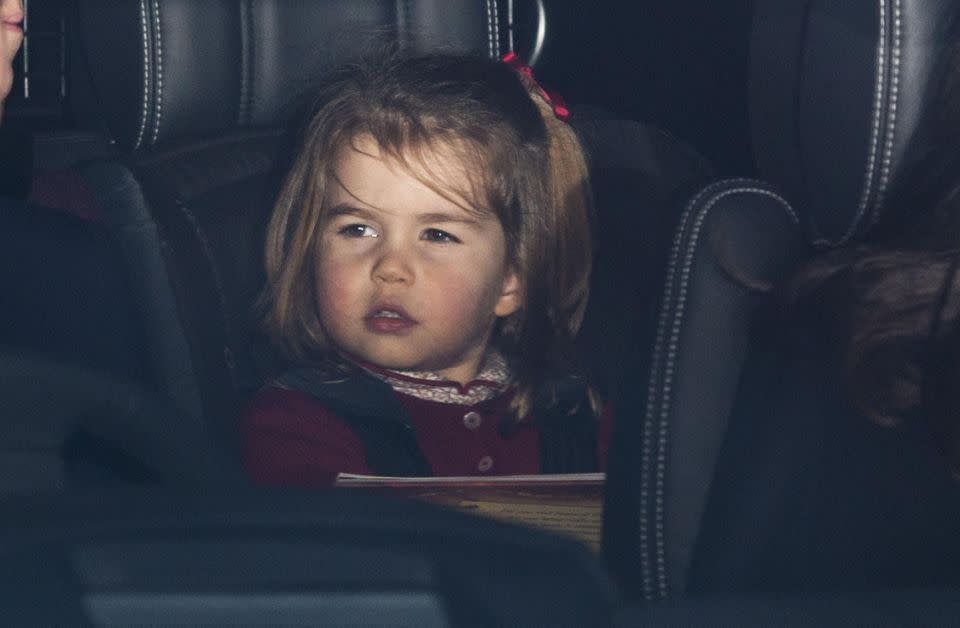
{"points": [[511, 296]]}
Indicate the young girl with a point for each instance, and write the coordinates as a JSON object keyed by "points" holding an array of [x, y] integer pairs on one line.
{"points": [[428, 263]]}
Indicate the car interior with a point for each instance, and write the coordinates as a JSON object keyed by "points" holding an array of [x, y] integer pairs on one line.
{"points": [[728, 142]]}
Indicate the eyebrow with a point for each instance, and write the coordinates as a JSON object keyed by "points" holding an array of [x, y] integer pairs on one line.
{"points": [[346, 209], [445, 217]]}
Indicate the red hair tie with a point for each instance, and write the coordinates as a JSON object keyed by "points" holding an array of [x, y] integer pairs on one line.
{"points": [[553, 98]]}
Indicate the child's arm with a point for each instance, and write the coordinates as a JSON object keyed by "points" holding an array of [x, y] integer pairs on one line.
{"points": [[290, 439]]}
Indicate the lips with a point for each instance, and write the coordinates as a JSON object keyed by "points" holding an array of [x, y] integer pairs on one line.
{"points": [[14, 24], [388, 319]]}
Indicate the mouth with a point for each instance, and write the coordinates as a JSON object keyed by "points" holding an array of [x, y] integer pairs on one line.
{"points": [[388, 319], [14, 24]]}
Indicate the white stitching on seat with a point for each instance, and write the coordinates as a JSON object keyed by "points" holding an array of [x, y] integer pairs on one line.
{"points": [[669, 368], [490, 29], [879, 87], [891, 112], [496, 28], [403, 22], [509, 25], [245, 97], [652, 389], [159, 99], [146, 74]]}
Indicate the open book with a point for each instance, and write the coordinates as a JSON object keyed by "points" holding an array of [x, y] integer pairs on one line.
{"points": [[567, 504]]}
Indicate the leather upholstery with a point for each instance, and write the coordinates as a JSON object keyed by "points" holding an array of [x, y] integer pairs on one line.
{"points": [[735, 240], [840, 96], [641, 177], [190, 67]]}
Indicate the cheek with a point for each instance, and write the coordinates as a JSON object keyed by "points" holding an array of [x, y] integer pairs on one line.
{"points": [[337, 287], [467, 291], [7, 53]]}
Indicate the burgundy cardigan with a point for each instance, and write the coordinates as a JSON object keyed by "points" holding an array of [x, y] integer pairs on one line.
{"points": [[290, 438]]}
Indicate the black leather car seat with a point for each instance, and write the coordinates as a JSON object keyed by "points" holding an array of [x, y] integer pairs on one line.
{"points": [[641, 177], [841, 97]]}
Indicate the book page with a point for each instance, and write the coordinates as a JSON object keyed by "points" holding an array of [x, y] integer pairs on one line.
{"points": [[355, 479], [583, 522], [570, 505]]}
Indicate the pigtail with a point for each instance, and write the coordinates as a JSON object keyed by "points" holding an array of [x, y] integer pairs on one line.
{"points": [[565, 261], [570, 218]]}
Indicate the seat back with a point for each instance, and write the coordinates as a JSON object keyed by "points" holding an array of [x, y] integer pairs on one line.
{"points": [[841, 97], [203, 69], [736, 239], [641, 177]]}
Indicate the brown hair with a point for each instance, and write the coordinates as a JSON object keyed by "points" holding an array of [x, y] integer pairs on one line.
{"points": [[892, 306], [895, 317], [528, 168]]}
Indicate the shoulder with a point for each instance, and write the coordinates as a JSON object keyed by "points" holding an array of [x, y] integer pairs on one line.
{"points": [[344, 390], [291, 411], [274, 399], [570, 399], [316, 396], [290, 438], [278, 416]]}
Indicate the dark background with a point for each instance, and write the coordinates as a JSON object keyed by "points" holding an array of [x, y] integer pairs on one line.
{"points": [[677, 64]]}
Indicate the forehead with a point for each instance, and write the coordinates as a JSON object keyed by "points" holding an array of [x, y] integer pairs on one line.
{"points": [[366, 171]]}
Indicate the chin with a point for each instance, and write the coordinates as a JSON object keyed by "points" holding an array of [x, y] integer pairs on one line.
{"points": [[397, 362]]}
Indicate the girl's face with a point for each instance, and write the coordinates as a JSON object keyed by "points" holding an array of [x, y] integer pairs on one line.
{"points": [[406, 278], [11, 36]]}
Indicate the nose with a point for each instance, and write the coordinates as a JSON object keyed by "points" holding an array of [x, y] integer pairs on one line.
{"points": [[393, 266], [11, 10]]}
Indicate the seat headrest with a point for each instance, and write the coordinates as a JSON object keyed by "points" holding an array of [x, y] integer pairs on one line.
{"points": [[167, 69], [842, 96]]}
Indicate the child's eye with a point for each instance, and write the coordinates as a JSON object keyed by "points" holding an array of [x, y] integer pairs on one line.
{"points": [[437, 235], [358, 231]]}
